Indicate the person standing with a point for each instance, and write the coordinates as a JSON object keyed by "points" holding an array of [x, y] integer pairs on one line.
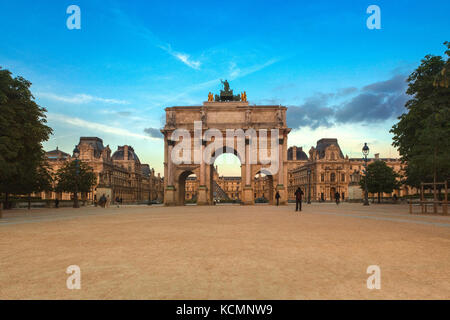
{"points": [[117, 201], [108, 200], [56, 203], [102, 201], [277, 196], [337, 196], [298, 199]]}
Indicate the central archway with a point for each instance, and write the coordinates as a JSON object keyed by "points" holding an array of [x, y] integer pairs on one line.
{"points": [[226, 182]]}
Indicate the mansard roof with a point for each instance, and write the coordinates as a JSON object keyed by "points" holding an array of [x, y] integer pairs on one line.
{"points": [[146, 170], [120, 154], [322, 144], [56, 154], [301, 155], [95, 142]]}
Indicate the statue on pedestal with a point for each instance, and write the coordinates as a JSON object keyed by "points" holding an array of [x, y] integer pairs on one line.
{"points": [[244, 96], [227, 94], [203, 117], [280, 118], [171, 119], [248, 114]]}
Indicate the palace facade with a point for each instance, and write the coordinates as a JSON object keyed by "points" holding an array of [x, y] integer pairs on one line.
{"points": [[120, 175], [322, 174], [327, 171]]}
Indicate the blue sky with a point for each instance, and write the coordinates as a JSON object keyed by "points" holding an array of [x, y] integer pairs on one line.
{"points": [[131, 59]]}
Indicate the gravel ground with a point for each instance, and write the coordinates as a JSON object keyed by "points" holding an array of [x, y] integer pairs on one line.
{"points": [[224, 252]]}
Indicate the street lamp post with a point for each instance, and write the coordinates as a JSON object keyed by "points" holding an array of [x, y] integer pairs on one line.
{"points": [[76, 154], [365, 151], [309, 185]]}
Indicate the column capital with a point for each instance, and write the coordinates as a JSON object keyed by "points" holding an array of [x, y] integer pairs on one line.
{"points": [[171, 143]]}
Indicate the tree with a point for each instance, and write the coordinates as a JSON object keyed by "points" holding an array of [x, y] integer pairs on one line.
{"points": [[68, 180], [422, 135], [380, 179], [37, 180], [443, 78], [23, 127]]}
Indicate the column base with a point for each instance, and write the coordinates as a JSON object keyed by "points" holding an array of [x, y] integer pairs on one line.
{"points": [[247, 196], [169, 196], [202, 199]]}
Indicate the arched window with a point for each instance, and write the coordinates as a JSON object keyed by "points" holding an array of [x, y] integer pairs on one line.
{"points": [[333, 177]]}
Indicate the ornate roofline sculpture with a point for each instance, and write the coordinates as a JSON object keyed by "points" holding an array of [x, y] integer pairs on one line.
{"points": [[227, 94]]}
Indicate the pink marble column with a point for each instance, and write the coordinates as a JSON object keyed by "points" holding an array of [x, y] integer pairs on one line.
{"points": [[247, 162], [169, 162], [202, 165], [281, 162]]}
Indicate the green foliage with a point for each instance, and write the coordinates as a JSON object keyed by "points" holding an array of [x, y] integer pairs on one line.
{"points": [[23, 128], [36, 180], [380, 178], [69, 181], [422, 135], [443, 78]]}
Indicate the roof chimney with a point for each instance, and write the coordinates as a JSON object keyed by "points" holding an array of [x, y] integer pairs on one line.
{"points": [[125, 152]]}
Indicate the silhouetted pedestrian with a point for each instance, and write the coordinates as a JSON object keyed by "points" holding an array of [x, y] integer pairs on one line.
{"points": [[56, 203], [277, 196], [337, 197], [102, 201], [298, 199]]}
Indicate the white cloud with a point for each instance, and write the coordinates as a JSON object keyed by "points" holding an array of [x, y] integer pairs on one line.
{"points": [[77, 122], [236, 72], [80, 98], [183, 57]]}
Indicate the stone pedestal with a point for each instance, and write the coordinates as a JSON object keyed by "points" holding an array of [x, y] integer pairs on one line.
{"points": [[247, 196], [169, 196], [283, 194], [202, 199]]}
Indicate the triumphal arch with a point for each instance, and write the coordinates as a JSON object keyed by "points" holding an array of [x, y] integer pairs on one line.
{"points": [[194, 136]]}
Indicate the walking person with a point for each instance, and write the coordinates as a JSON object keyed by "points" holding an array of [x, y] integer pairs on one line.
{"points": [[56, 203], [337, 197], [277, 196], [298, 199], [117, 201], [102, 201]]}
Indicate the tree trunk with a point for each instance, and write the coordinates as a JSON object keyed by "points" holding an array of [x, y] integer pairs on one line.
{"points": [[434, 182], [29, 201], [6, 201]]}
